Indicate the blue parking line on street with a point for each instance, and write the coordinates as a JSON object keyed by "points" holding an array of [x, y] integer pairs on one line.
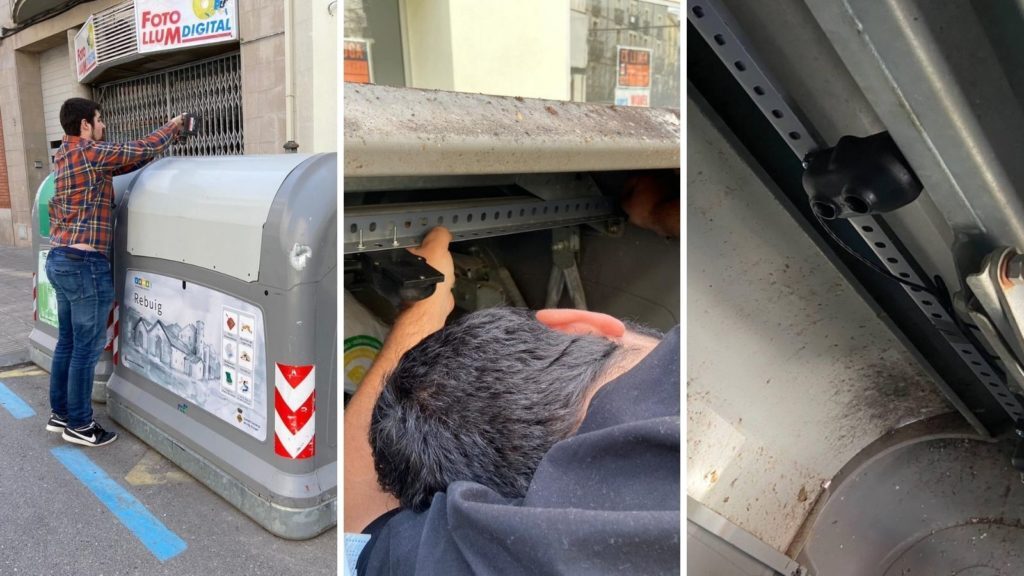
{"points": [[15, 405], [162, 542]]}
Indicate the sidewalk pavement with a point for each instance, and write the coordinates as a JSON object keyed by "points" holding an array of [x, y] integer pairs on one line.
{"points": [[116, 510], [16, 267]]}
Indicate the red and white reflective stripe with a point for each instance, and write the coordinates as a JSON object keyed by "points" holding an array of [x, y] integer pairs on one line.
{"points": [[110, 330], [35, 298], [295, 411], [114, 332]]}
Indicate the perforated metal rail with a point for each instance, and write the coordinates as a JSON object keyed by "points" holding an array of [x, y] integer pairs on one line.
{"points": [[387, 227]]}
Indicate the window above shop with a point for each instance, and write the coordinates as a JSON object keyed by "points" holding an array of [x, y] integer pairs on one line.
{"points": [[24, 10]]}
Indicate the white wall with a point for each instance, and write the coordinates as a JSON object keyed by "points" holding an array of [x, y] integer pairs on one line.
{"points": [[490, 46], [55, 78], [429, 36], [59, 82], [326, 87], [316, 76]]}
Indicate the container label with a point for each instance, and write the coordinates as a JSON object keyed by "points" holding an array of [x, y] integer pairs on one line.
{"points": [[360, 352], [46, 296], [202, 345]]}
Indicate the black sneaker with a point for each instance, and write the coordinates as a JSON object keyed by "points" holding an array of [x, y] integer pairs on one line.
{"points": [[91, 435], [56, 423]]}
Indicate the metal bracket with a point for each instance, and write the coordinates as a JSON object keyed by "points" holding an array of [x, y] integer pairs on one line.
{"points": [[565, 247], [501, 275], [482, 282], [742, 540], [719, 30]]}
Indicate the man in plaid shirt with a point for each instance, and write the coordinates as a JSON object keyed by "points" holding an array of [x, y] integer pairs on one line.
{"points": [[78, 265]]}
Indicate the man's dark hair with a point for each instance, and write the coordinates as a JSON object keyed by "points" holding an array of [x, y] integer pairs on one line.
{"points": [[483, 399], [73, 111]]}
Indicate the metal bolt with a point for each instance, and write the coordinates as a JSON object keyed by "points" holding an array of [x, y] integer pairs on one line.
{"points": [[395, 242], [361, 245], [1015, 269]]}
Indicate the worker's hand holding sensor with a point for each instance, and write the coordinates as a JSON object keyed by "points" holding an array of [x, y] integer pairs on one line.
{"points": [[189, 124]]}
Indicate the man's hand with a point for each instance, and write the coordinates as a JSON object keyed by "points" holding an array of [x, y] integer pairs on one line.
{"points": [[652, 202], [178, 121], [364, 498]]}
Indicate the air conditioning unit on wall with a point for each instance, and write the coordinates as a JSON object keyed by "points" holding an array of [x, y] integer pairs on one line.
{"points": [[113, 38]]}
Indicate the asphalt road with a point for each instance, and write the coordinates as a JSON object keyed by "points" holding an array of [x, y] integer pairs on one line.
{"points": [[52, 523]]}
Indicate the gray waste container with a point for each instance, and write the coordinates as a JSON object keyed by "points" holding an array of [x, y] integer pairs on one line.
{"points": [[43, 338], [225, 355]]}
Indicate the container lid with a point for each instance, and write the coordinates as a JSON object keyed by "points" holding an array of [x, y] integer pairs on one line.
{"points": [[207, 212]]}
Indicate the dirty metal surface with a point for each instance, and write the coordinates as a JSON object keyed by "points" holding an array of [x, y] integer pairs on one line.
{"points": [[942, 506], [412, 132], [714, 23], [790, 372]]}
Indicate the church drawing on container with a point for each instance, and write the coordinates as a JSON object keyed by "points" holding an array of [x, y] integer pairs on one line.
{"points": [[182, 350]]}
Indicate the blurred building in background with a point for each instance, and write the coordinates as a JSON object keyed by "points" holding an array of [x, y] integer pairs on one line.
{"points": [[603, 28]]}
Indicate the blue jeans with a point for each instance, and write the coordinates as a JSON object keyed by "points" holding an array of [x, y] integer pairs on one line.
{"points": [[85, 291]]}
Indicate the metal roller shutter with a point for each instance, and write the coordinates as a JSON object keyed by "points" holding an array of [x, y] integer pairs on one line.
{"points": [[211, 89]]}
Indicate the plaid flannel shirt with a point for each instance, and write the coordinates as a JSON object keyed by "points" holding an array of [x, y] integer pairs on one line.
{"points": [[81, 211]]}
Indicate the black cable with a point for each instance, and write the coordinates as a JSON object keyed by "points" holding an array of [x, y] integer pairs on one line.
{"points": [[869, 263], [943, 297]]}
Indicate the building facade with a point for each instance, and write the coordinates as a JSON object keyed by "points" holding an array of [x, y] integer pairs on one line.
{"points": [[637, 24], [260, 74], [555, 49]]}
